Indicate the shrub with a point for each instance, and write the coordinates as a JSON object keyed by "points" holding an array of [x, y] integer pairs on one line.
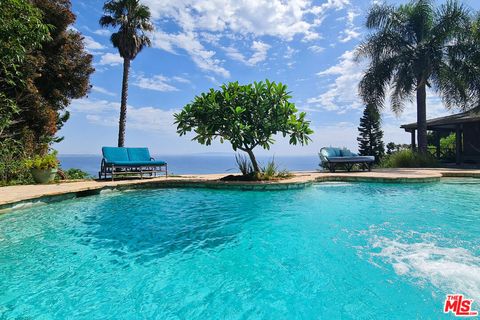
{"points": [[12, 163], [271, 171], [48, 161], [448, 142], [408, 159], [268, 172], [74, 174], [244, 164]]}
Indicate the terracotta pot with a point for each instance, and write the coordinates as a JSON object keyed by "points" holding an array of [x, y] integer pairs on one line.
{"points": [[43, 175]]}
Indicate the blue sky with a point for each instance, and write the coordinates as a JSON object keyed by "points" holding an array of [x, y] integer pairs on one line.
{"points": [[200, 44]]}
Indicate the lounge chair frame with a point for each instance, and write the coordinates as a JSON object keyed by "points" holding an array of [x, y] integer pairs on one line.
{"points": [[333, 165], [113, 170], [346, 162]]}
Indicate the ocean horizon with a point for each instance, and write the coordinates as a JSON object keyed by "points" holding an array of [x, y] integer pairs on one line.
{"points": [[200, 163]]}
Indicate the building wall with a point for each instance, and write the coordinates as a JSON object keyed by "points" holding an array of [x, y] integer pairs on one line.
{"points": [[471, 141]]}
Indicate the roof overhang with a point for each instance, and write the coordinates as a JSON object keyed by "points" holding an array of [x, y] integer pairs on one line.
{"points": [[448, 123]]}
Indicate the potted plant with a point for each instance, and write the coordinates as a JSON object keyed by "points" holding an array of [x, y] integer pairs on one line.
{"points": [[43, 168]]}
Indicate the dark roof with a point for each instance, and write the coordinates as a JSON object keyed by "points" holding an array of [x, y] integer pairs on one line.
{"points": [[448, 122]]}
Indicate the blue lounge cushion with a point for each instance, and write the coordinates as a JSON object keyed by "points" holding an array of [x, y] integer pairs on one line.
{"points": [[346, 153], [138, 154], [129, 157], [115, 154], [330, 152], [324, 152], [337, 152]]}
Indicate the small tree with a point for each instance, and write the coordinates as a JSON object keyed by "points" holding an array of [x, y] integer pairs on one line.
{"points": [[370, 138], [246, 115]]}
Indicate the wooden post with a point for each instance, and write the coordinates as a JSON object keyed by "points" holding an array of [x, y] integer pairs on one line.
{"points": [[437, 144], [413, 143], [458, 144]]}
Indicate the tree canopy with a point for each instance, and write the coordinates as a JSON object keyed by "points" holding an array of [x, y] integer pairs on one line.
{"points": [[133, 20], [54, 69], [23, 20], [245, 115], [412, 47]]}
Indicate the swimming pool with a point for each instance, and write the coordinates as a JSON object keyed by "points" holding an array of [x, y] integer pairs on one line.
{"points": [[333, 250]]}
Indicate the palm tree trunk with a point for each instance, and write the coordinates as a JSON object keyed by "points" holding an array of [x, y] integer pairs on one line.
{"points": [[422, 118], [123, 106], [256, 168]]}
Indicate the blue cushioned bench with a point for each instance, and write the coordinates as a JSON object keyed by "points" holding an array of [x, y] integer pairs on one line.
{"points": [[121, 161], [332, 158]]}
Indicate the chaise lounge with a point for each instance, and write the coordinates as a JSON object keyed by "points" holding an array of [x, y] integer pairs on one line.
{"points": [[124, 161], [332, 158]]}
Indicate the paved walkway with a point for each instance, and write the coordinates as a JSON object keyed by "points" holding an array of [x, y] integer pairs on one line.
{"points": [[14, 194]]}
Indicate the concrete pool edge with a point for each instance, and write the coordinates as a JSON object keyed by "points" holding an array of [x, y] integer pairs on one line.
{"points": [[18, 197]]}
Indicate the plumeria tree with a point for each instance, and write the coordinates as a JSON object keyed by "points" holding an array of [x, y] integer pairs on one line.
{"points": [[247, 116]]}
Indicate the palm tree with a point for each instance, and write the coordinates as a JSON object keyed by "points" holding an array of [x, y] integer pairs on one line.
{"points": [[411, 49], [133, 20], [464, 69]]}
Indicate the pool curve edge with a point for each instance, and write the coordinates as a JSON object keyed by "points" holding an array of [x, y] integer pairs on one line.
{"points": [[212, 184]]}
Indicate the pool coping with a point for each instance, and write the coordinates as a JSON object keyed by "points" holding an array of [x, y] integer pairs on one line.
{"points": [[18, 197]]}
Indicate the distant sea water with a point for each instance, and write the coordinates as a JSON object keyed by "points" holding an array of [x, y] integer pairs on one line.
{"points": [[195, 164]]}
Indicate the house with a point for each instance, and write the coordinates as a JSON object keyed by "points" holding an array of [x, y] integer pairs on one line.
{"points": [[465, 125]]}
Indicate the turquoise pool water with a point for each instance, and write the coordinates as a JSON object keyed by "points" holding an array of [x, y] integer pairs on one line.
{"points": [[330, 251]]}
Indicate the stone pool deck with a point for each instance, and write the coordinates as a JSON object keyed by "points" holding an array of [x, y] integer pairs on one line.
{"points": [[14, 197]]}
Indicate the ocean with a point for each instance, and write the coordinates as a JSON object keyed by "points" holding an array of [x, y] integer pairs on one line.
{"points": [[195, 164]]}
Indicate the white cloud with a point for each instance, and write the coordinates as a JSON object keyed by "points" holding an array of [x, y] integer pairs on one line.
{"points": [[156, 83], [290, 52], [180, 79], [212, 80], [349, 34], [202, 57], [282, 19], [351, 31], [147, 119], [259, 54], [316, 49], [111, 59], [208, 21], [260, 50], [342, 93], [92, 106], [91, 44], [103, 91], [102, 32]]}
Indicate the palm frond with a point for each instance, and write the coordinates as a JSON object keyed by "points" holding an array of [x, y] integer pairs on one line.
{"points": [[404, 86], [452, 19], [133, 20], [376, 80], [380, 16]]}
